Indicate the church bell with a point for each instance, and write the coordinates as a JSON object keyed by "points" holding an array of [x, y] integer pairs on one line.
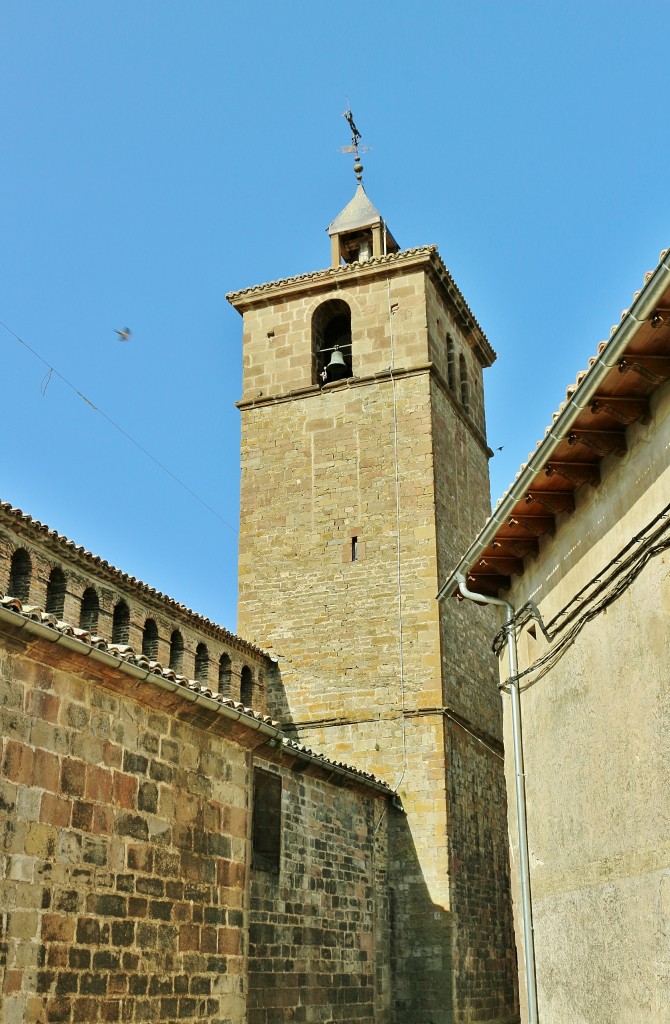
{"points": [[337, 369]]}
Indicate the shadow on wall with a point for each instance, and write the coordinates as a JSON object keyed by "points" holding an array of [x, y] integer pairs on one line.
{"points": [[484, 960], [421, 937], [345, 928], [455, 963], [278, 706]]}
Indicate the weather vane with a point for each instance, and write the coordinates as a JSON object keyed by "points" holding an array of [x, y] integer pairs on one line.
{"points": [[356, 148]]}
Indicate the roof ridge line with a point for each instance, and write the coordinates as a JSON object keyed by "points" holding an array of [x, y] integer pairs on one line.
{"points": [[55, 537]]}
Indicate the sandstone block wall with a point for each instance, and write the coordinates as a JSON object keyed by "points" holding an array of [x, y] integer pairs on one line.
{"points": [[318, 930], [595, 733], [123, 848], [111, 586], [315, 473], [461, 487], [368, 667]]}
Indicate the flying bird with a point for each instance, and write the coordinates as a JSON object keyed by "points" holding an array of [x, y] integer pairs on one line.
{"points": [[125, 334]]}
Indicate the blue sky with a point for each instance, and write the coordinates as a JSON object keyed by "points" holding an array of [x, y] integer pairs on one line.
{"points": [[158, 155]]}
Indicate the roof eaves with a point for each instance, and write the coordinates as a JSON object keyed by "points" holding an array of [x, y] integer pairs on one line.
{"points": [[578, 396], [121, 656], [247, 296], [16, 516]]}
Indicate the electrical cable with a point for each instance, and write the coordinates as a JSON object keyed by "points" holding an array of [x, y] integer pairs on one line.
{"points": [[626, 566], [52, 371], [401, 657]]}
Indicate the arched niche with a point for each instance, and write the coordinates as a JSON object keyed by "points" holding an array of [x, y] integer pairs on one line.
{"points": [[331, 342]]}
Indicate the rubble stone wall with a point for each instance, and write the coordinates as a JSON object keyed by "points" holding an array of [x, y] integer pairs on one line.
{"points": [[82, 573], [125, 852], [318, 930]]}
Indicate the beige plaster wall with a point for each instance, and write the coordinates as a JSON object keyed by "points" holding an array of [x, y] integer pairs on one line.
{"points": [[596, 728]]}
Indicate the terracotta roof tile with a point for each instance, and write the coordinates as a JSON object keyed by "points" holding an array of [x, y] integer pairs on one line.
{"points": [[316, 275], [60, 540], [125, 654], [581, 374]]}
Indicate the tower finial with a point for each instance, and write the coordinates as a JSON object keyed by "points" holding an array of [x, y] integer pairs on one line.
{"points": [[353, 148]]}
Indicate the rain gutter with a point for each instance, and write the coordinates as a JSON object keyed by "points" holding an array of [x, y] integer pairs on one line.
{"points": [[520, 787], [581, 398]]}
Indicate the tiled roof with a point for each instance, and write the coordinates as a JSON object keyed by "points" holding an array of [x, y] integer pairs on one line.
{"points": [[608, 396], [581, 374], [126, 656], [58, 540], [256, 293]]}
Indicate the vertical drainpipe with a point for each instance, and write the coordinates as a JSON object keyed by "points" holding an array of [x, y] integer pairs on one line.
{"points": [[526, 908]]}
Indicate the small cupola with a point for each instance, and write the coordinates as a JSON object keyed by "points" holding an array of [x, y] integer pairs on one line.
{"points": [[359, 233]]}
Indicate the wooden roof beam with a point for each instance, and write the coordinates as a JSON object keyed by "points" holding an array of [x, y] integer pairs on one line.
{"points": [[554, 501], [602, 442], [576, 473], [504, 564], [488, 583], [655, 369], [532, 526], [519, 547], [626, 410]]}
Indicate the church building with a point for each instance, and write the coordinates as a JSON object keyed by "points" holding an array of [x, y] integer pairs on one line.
{"points": [[364, 474], [305, 822]]}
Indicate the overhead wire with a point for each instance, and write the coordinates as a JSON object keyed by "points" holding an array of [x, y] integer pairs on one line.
{"points": [[607, 586], [401, 653], [46, 380]]}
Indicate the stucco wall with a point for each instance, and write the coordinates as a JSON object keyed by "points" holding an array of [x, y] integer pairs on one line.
{"points": [[596, 727]]}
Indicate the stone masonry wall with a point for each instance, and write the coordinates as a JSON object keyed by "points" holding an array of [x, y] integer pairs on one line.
{"points": [[110, 587], [123, 847], [318, 930], [367, 663], [462, 505], [483, 954], [125, 837]]}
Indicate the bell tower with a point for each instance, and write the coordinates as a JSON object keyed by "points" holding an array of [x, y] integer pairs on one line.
{"points": [[364, 475]]}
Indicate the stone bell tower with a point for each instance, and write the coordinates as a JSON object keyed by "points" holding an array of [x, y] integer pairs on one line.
{"points": [[364, 475]]}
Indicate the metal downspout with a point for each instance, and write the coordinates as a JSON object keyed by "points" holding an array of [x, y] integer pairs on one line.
{"points": [[526, 907]]}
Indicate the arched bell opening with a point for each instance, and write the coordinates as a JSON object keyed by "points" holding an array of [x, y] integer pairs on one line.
{"points": [[465, 384], [331, 342], [90, 610], [20, 575], [56, 590]]}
